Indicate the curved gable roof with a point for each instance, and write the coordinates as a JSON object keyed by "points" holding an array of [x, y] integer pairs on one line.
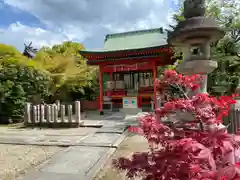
{"points": [[133, 40]]}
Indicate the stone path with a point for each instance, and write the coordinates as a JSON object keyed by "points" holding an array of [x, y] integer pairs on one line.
{"points": [[105, 137], [84, 156], [75, 163]]}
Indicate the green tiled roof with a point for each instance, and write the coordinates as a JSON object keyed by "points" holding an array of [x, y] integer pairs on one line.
{"points": [[134, 40]]}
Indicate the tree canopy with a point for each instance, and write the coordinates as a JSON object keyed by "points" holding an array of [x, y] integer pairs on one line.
{"points": [[57, 73], [67, 67]]}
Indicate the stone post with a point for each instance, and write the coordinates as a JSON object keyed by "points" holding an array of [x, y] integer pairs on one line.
{"points": [[38, 114], [34, 121], [27, 114], [62, 113], [55, 108], [78, 112], [48, 114], [42, 113], [58, 104], [202, 89], [69, 114], [52, 113]]}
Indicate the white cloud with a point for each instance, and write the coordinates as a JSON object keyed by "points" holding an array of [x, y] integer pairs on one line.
{"points": [[17, 34], [81, 19]]}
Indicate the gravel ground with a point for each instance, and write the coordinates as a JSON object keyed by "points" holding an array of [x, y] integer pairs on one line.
{"points": [[15, 159]]}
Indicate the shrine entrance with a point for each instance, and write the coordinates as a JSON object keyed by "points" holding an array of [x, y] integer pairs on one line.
{"points": [[130, 85], [127, 74]]}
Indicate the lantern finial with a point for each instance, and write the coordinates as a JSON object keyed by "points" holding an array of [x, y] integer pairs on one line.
{"points": [[194, 8]]}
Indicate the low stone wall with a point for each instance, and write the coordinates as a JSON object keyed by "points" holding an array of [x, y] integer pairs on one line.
{"points": [[53, 115]]}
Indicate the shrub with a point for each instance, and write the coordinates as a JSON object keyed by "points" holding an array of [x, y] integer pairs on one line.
{"points": [[19, 83], [189, 146]]}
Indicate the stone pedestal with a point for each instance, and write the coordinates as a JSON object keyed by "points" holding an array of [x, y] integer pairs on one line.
{"points": [[130, 111]]}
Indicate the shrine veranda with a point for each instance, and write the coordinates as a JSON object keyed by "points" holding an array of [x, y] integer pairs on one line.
{"points": [[128, 66]]}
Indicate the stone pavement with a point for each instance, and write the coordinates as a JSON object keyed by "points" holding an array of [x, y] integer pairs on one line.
{"points": [[75, 163], [86, 151]]}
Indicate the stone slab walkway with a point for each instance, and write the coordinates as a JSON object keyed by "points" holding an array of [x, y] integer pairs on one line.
{"points": [[75, 163], [84, 155], [95, 139]]}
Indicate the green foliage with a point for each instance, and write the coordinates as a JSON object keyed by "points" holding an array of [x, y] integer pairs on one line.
{"points": [[57, 73], [68, 69], [9, 51], [20, 81], [226, 51], [169, 67]]}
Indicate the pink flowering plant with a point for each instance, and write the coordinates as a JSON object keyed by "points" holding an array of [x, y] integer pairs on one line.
{"points": [[184, 136]]}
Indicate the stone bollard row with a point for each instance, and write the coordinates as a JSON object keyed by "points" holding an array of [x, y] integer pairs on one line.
{"points": [[48, 114]]}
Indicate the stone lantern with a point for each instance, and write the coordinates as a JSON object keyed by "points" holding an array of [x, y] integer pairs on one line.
{"points": [[194, 36]]}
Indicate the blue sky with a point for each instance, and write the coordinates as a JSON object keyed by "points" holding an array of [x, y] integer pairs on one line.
{"points": [[49, 22]]}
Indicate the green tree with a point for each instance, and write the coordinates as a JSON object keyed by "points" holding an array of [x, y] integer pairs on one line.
{"points": [[69, 71], [225, 78], [57, 73], [20, 81]]}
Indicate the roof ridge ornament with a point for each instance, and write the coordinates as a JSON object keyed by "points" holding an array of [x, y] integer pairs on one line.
{"points": [[194, 8]]}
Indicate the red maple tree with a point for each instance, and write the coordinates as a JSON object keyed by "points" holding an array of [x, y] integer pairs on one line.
{"points": [[184, 136]]}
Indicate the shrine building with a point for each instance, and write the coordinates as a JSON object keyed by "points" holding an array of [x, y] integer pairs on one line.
{"points": [[128, 66]]}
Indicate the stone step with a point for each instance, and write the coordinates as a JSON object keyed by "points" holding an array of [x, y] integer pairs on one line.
{"points": [[130, 110]]}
